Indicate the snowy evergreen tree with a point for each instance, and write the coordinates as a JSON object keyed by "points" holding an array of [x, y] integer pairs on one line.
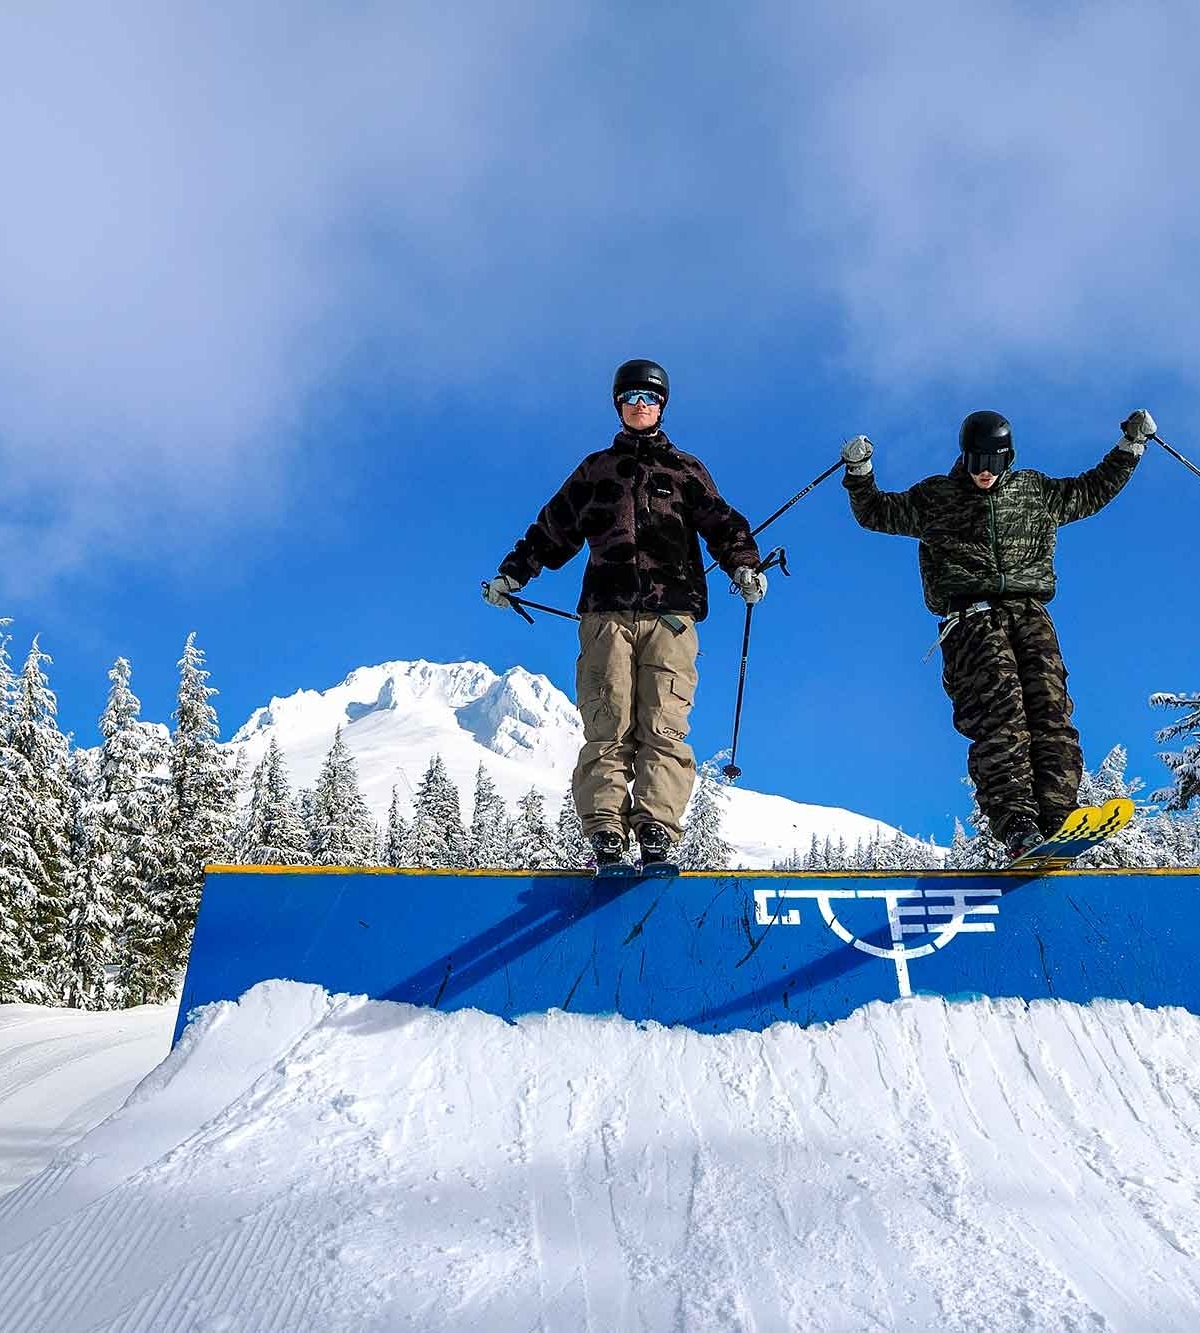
{"points": [[1185, 766], [202, 805], [129, 832], [342, 831], [39, 751], [92, 917], [702, 847], [19, 957], [572, 850], [531, 839], [395, 841], [963, 853], [436, 838], [272, 832], [487, 841]]}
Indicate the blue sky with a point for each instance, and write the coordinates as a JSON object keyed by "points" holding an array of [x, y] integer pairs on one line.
{"points": [[308, 309]]}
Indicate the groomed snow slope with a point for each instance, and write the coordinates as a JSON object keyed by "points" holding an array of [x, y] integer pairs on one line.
{"points": [[307, 1162], [62, 1071]]}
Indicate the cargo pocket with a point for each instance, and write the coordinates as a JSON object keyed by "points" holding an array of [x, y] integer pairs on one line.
{"points": [[671, 702]]}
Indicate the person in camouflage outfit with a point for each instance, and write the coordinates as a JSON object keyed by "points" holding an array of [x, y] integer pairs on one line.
{"points": [[640, 506], [987, 536]]}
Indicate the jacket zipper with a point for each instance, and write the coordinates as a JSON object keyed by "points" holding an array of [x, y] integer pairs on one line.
{"points": [[991, 504]]}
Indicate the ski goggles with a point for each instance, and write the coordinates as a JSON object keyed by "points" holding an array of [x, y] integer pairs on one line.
{"points": [[993, 463], [647, 396]]}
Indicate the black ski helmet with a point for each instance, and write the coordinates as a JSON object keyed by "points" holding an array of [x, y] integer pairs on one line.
{"points": [[985, 440], [641, 375]]}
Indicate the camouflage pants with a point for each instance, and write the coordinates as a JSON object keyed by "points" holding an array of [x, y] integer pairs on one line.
{"points": [[1004, 671], [635, 680]]}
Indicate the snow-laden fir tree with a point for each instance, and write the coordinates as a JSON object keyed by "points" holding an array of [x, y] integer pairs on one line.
{"points": [[131, 849], [272, 832], [342, 831], [531, 839], [1138, 845], [92, 917], [202, 803], [487, 839], [572, 850], [1184, 765], [436, 837], [395, 839], [40, 755], [702, 847], [19, 961], [965, 853]]}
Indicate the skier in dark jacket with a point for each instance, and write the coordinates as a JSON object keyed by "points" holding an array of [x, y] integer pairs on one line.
{"points": [[987, 535], [640, 506]]}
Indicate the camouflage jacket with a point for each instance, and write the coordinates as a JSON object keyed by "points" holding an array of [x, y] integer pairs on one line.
{"points": [[640, 506], [1000, 542]]}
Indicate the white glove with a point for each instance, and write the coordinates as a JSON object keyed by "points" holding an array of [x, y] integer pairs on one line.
{"points": [[495, 591], [1138, 427], [856, 454], [751, 583]]}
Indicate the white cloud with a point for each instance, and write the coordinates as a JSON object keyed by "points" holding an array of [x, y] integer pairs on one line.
{"points": [[213, 215]]}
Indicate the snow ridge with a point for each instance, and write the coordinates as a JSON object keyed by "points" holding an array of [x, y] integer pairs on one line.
{"points": [[303, 1161]]}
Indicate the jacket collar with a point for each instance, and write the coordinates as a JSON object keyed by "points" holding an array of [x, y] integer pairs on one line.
{"points": [[628, 443]]}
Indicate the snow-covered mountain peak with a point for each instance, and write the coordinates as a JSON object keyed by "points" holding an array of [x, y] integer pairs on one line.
{"points": [[519, 726], [522, 714]]}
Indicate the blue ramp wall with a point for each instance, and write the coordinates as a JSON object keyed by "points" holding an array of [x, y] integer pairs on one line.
{"points": [[714, 952]]}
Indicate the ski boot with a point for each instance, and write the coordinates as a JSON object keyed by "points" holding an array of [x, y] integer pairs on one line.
{"points": [[608, 849], [657, 847], [1021, 836]]}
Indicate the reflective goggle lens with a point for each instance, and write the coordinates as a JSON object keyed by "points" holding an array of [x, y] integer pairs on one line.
{"points": [[993, 463], [647, 396]]}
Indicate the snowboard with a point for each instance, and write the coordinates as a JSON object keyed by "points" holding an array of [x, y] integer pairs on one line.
{"points": [[627, 870], [1082, 830]]}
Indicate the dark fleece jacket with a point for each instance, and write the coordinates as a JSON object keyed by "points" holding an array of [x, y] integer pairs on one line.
{"points": [[640, 506]]}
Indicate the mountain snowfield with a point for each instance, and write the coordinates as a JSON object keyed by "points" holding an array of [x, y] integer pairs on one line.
{"points": [[524, 730], [304, 1161]]}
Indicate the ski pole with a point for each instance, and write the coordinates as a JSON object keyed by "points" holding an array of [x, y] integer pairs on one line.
{"points": [[777, 557], [1191, 467], [520, 603], [766, 523]]}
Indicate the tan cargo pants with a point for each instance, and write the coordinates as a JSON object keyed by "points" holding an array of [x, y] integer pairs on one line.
{"points": [[634, 682]]}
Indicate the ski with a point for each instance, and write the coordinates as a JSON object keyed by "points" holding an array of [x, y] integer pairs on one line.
{"points": [[627, 870], [1082, 830]]}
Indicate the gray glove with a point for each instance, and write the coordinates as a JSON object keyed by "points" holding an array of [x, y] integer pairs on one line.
{"points": [[1138, 427], [751, 583], [856, 454], [495, 590]]}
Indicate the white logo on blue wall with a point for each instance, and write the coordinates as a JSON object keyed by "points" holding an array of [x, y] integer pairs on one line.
{"points": [[936, 915]]}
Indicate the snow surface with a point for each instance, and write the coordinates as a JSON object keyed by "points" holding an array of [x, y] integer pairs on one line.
{"points": [[524, 730], [63, 1071], [312, 1162]]}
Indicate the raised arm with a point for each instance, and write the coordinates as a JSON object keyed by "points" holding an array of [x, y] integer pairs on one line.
{"points": [[1073, 498], [895, 512]]}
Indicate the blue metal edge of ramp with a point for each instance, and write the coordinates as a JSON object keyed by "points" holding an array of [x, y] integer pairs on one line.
{"points": [[716, 952]]}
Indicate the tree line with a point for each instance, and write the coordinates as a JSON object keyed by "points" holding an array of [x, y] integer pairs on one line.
{"points": [[102, 850]]}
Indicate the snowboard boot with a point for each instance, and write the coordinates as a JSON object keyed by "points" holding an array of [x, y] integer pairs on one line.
{"points": [[608, 847], [655, 843], [1022, 836]]}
